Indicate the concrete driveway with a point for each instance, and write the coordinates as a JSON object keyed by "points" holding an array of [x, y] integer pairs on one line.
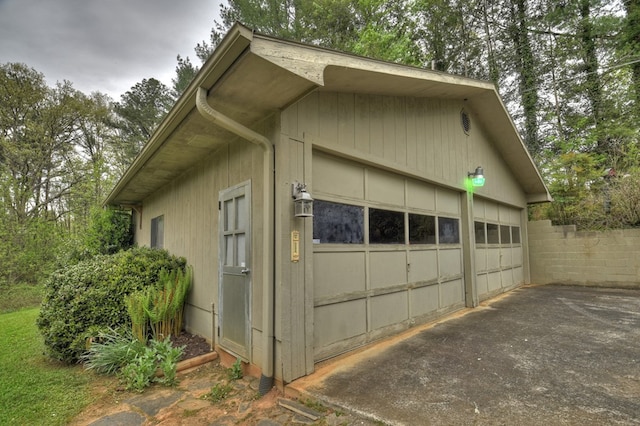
{"points": [[537, 355]]}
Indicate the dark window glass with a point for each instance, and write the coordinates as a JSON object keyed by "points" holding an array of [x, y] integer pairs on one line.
{"points": [[515, 234], [481, 233], [505, 234], [337, 223], [386, 227], [448, 231], [492, 234], [157, 232], [422, 229]]}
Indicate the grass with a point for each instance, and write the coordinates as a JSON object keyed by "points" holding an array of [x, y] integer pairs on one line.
{"points": [[33, 389], [19, 296]]}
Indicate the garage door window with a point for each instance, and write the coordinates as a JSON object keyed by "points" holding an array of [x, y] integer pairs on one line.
{"points": [[448, 231], [515, 235], [337, 223], [386, 227], [493, 237], [480, 232], [491, 233], [422, 229], [505, 234]]}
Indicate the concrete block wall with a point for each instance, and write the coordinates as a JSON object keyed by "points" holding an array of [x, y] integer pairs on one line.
{"points": [[560, 254]]}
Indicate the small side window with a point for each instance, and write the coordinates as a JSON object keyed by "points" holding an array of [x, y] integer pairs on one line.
{"points": [[157, 232]]}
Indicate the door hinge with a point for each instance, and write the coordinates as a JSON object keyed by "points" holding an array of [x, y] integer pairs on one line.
{"points": [[218, 331], [219, 205]]}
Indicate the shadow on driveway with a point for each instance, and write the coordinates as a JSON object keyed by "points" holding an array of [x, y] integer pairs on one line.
{"points": [[538, 355]]}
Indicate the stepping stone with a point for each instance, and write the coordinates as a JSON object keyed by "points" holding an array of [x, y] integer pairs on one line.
{"points": [[123, 418]]}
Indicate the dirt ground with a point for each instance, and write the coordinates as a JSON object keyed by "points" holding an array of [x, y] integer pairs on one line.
{"points": [[193, 402]]}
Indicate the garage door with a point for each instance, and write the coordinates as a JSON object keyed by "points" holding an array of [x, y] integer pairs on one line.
{"points": [[499, 264], [387, 254]]}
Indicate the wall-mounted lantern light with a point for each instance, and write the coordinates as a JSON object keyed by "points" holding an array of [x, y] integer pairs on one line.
{"points": [[302, 201], [477, 177]]}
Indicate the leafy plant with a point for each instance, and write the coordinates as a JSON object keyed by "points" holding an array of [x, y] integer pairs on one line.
{"points": [[115, 352], [160, 308], [136, 309], [235, 372], [111, 350], [218, 392], [167, 356], [139, 373]]}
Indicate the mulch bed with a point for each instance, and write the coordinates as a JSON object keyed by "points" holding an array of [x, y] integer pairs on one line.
{"points": [[193, 345]]}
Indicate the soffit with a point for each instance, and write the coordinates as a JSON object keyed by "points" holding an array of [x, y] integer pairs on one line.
{"points": [[251, 77], [251, 90]]}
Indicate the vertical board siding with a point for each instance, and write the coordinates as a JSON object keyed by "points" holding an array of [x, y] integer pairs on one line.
{"points": [[190, 209], [421, 136]]}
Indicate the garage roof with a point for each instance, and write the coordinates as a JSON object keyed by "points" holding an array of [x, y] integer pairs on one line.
{"points": [[254, 76]]}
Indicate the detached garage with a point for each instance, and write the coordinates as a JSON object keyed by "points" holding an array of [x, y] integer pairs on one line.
{"points": [[397, 234]]}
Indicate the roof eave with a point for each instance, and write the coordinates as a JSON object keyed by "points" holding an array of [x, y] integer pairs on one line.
{"points": [[232, 46]]}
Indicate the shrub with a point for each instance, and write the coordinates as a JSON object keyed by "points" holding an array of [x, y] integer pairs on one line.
{"points": [[92, 294]]}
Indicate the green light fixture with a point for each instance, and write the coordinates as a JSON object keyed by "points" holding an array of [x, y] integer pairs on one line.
{"points": [[477, 177]]}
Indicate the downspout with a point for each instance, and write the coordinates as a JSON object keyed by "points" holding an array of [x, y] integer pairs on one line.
{"points": [[268, 240]]}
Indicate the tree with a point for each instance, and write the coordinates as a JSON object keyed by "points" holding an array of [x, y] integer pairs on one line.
{"points": [[185, 72], [139, 112], [629, 47], [38, 158]]}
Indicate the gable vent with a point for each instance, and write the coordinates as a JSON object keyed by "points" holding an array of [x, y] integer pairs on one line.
{"points": [[465, 121]]}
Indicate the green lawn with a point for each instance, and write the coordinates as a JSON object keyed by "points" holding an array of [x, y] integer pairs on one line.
{"points": [[34, 389]]}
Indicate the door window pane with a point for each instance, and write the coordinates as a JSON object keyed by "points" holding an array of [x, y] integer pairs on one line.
{"points": [[448, 232], [337, 223], [386, 227], [228, 218], [422, 229], [228, 250], [240, 251], [241, 212]]}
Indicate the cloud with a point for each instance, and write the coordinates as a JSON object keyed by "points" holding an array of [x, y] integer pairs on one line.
{"points": [[103, 45]]}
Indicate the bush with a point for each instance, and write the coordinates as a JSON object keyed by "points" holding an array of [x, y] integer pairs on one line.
{"points": [[92, 294]]}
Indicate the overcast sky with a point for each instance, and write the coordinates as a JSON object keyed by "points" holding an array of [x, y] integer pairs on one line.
{"points": [[104, 45]]}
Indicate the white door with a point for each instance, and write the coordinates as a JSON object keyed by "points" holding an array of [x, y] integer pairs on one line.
{"points": [[235, 272]]}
